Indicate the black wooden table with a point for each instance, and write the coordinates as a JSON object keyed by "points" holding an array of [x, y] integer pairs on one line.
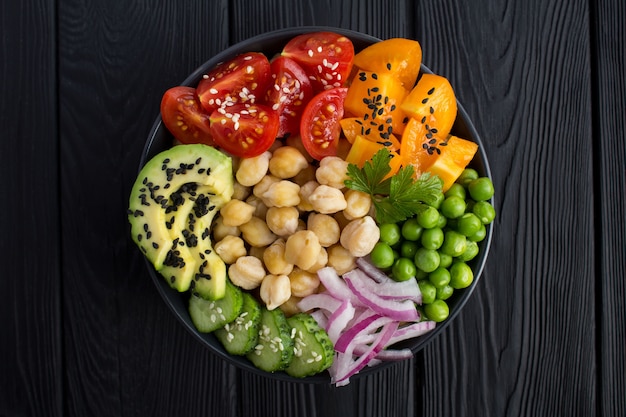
{"points": [[84, 331]]}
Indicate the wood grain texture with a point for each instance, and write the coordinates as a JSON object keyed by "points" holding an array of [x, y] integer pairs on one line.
{"points": [[609, 125], [31, 362], [524, 344], [125, 352]]}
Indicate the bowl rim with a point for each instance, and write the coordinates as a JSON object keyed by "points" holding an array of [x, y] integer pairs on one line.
{"points": [[208, 340]]}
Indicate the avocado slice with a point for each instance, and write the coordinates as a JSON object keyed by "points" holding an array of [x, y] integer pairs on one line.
{"points": [[171, 208]]}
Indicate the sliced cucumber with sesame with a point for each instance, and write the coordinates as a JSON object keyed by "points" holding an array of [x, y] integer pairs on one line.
{"points": [[241, 335], [274, 349], [313, 350], [210, 315]]}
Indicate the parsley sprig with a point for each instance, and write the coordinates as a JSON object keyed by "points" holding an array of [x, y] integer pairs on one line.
{"points": [[396, 198]]}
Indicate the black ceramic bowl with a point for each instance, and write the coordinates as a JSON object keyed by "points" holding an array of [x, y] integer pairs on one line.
{"points": [[160, 139]]}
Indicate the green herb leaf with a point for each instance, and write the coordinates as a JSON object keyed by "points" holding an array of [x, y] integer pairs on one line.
{"points": [[399, 197]]}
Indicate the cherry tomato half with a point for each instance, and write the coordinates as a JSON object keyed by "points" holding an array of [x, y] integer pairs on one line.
{"points": [[244, 79], [244, 130], [319, 127], [184, 117], [325, 56], [289, 94]]}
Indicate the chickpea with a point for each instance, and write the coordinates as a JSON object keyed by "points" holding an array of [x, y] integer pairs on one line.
{"points": [[341, 259], [305, 175], [247, 272], [236, 213], [305, 193], [230, 249], [290, 307], [240, 192], [256, 233], [302, 249], [252, 170], [303, 283], [287, 162], [333, 171], [260, 209], [262, 186], [283, 193], [320, 262], [275, 290], [325, 227], [360, 236], [326, 199], [358, 204], [296, 142], [274, 259], [257, 252], [282, 221], [220, 230]]}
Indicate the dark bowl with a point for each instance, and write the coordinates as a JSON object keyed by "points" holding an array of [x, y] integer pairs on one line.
{"points": [[160, 139]]}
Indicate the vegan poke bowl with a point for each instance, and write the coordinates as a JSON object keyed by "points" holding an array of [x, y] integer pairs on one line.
{"points": [[314, 204]]}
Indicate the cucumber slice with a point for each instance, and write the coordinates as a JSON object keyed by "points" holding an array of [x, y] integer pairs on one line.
{"points": [[313, 350], [274, 349], [241, 335], [209, 315]]}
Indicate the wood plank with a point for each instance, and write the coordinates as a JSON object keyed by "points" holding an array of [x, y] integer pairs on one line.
{"points": [[609, 124], [524, 344], [125, 352], [31, 368]]}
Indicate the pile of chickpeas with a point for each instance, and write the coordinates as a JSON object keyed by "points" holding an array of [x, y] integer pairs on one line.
{"points": [[289, 216]]}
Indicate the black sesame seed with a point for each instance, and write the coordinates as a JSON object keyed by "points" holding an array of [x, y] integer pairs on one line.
{"points": [[173, 279], [139, 237], [425, 100], [375, 76], [432, 90], [389, 65], [376, 90], [155, 245], [432, 110], [405, 120], [424, 119]]}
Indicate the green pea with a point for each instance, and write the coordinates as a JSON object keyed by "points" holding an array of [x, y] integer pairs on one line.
{"points": [[470, 252], [445, 292], [481, 189], [484, 211], [467, 176], [408, 249], [461, 275], [382, 255], [442, 222], [445, 260], [437, 203], [426, 259], [432, 238], [390, 233], [403, 269], [428, 290], [478, 236], [454, 243], [457, 190], [411, 230], [428, 217], [468, 224], [453, 207], [439, 277], [437, 311]]}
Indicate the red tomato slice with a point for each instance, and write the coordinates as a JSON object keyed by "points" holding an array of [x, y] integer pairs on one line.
{"points": [[184, 117], [319, 127], [244, 130], [244, 79], [325, 56], [289, 94]]}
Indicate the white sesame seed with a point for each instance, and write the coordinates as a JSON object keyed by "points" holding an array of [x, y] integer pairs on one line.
{"points": [[205, 76], [249, 69], [335, 65], [213, 91], [236, 127], [320, 69], [310, 52], [319, 49], [247, 58], [275, 106]]}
